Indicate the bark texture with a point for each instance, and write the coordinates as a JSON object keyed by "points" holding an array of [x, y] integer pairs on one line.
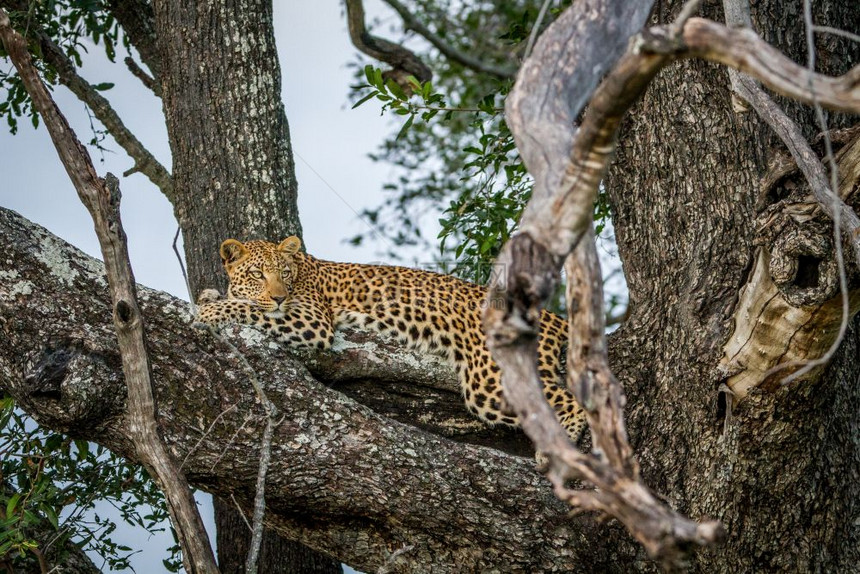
{"points": [[232, 160], [233, 167], [783, 478]]}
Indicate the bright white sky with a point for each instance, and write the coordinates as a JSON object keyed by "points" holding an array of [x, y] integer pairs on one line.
{"points": [[327, 135]]}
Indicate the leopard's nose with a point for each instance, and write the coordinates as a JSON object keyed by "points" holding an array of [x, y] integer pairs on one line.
{"points": [[279, 300]]}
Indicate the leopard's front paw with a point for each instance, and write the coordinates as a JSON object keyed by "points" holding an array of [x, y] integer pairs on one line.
{"points": [[211, 314], [208, 296]]}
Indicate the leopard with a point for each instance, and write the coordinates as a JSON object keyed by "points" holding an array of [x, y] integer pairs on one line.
{"points": [[301, 301]]}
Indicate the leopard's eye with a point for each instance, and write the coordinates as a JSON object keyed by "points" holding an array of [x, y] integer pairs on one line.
{"points": [[256, 274]]}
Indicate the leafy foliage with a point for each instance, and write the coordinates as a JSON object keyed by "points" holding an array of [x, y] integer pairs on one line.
{"points": [[72, 25], [481, 217], [456, 156], [51, 485]]}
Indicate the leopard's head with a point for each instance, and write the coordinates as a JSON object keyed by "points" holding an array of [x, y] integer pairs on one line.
{"points": [[261, 272]]}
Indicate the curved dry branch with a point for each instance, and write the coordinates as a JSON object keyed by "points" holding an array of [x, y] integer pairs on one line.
{"points": [[744, 50], [404, 62], [552, 87], [449, 51]]}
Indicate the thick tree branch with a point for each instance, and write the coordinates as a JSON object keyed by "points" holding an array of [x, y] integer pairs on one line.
{"points": [[102, 200], [404, 62], [342, 479], [449, 51]]}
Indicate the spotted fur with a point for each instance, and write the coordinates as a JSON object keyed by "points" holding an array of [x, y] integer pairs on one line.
{"points": [[301, 301]]}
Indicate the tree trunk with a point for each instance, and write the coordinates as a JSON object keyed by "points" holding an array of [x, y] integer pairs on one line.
{"points": [[233, 168], [234, 176], [783, 479]]}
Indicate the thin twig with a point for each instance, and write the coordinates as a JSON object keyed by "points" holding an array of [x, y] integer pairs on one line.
{"points": [[536, 28], [241, 511], [836, 32], [206, 433], [182, 268], [393, 557], [265, 454], [230, 442]]}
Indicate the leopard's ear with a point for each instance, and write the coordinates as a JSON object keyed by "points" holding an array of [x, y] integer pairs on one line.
{"points": [[290, 245], [232, 251]]}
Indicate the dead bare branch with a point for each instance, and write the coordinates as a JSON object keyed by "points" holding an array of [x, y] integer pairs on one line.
{"points": [[836, 32], [102, 197], [567, 172], [449, 51], [744, 50], [404, 62]]}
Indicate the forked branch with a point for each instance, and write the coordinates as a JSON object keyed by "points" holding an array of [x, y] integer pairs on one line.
{"points": [[144, 161], [413, 23]]}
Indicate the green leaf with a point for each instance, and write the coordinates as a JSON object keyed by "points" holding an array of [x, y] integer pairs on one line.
{"points": [[377, 79], [395, 89], [364, 99], [405, 127], [12, 503], [83, 448], [50, 515], [368, 73], [103, 87]]}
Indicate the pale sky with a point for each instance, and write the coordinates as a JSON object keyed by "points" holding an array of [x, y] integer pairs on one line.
{"points": [[327, 135]]}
